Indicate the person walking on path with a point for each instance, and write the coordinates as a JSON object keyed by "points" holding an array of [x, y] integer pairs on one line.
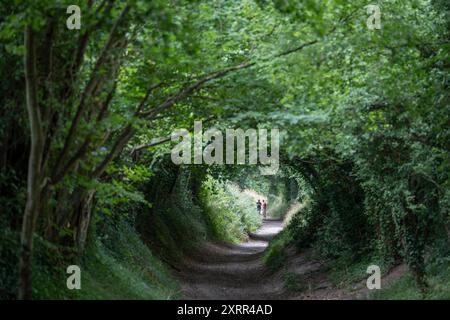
{"points": [[258, 206], [264, 209]]}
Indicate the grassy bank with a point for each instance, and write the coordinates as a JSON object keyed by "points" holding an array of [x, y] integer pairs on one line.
{"points": [[230, 212], [438, 279], [117, 265]]}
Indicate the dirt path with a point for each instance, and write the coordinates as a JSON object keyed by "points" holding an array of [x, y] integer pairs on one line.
{"points": [[220, 271]]}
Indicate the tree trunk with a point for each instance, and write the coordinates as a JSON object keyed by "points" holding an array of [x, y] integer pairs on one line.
{"points": [[34, 179], [84, 219]]}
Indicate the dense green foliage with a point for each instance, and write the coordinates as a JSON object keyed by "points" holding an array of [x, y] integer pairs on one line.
{"points": [[364, 117], [232, 214], [378, 168]]}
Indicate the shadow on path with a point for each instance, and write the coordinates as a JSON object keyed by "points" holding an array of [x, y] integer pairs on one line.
{"points": [[224, 271]]}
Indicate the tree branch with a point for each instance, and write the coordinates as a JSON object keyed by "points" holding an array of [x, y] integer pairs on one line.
{"points": [[156, 142], [89, 89], [186, 91], [124, 137]]}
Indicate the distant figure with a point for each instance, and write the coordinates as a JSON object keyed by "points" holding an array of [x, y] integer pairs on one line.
{"points": [[264, 208], [258, 206]]}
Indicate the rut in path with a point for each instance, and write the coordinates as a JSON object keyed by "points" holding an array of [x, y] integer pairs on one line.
{"points": [[221, 271]]}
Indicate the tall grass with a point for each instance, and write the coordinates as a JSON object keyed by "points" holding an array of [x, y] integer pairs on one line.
{"points": [[117, 265], [231, 212]]}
